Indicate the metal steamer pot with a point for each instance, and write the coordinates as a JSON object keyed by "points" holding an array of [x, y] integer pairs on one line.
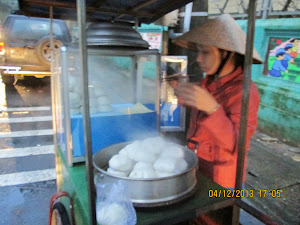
{"points": [[150, 192]]}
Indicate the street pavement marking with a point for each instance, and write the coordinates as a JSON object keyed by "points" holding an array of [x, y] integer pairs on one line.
{"points": [[26, 133], [27, 177], [18, 109], [26, 119], [20, 152]]}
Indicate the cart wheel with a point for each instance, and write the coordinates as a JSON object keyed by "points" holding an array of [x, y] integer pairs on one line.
{"points": [[59, 215]]}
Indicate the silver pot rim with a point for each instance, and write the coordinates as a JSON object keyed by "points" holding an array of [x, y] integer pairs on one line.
{"points": [[195, 165], [150, 192]]}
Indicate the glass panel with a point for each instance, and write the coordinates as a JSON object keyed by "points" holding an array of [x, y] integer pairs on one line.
{"points": [[58, 103], [146, 81], [112, 77], [174, 70], [122, 98]]}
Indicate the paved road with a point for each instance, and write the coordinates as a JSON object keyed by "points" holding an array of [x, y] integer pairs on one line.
{"points": [[274, 165], [27, 167]]}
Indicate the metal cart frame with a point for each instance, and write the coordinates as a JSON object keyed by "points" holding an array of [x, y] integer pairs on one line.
{"points": [[187, 209]]}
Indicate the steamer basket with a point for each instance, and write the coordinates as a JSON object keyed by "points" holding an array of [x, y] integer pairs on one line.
{"points": [[155, 191]]}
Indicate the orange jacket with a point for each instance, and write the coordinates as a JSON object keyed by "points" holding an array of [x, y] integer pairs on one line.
{"points": [[218, 133]]}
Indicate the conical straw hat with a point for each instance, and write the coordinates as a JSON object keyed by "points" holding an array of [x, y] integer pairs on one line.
{"points": [[222, 32]]}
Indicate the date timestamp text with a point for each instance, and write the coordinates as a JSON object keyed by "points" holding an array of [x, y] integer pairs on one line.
{"points": [[230, 193], [243, 193]]}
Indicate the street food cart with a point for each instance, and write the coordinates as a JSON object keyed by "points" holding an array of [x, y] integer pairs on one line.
{"points": [[105, 94]]}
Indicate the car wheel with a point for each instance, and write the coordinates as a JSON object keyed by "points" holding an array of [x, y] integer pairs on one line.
{"points": [[43, 49], [8, 79], [59, 215]]}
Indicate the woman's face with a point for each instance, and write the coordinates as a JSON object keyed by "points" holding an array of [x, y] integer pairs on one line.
{"points": [[208, 59]]}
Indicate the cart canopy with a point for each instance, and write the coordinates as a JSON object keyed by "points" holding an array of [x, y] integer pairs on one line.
{"points": [[145, 11]]}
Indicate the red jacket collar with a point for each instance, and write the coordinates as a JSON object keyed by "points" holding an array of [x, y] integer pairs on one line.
{"points": [[222, 80]]}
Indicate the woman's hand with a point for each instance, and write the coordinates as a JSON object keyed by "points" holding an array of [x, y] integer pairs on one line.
{"points": [[192, 95]]}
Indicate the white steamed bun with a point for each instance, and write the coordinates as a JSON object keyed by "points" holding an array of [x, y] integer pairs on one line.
{"points": [[143, 173], [133, 148], [167, 164], [154, 145], [143, 166], [170, 165], [120, 163], [143, 156], [117, 173]]}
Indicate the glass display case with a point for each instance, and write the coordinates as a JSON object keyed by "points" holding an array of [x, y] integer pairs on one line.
{"points": [[123, 97]]}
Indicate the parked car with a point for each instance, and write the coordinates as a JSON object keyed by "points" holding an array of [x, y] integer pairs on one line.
{"points": [[25, 46]]}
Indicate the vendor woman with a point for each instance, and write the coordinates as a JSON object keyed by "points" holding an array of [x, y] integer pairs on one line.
{"points": [[216, 101]]}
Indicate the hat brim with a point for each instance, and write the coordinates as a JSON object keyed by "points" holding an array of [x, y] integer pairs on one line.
{"points": [[221, 32], [193, 47]]}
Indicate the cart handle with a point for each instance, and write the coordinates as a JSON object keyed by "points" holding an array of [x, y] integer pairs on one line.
{"points": [[54, 198], [195, 143]]}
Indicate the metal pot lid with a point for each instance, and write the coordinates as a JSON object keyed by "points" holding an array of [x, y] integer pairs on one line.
{"points": [[114, 34]]}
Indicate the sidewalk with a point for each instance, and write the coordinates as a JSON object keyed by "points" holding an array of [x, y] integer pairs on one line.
{"points": [[274, 165]]}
